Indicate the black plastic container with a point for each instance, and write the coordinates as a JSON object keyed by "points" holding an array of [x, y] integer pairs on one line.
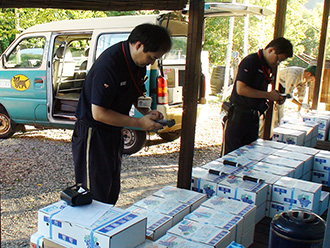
{"points": [[296, 229]]}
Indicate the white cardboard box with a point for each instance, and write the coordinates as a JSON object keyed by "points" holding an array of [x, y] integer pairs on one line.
{"points": [[324, 202], [321, 177], [115, 228], [291, 163], [168, 207], [269, 143], [243, 190], [189, 197], [224, 220], [274, 169], [150, 244], [293, 137], [157, 223], [268, 178], [202, 233], [302, 149], [204, 182], [260, 148], [305, 158], [245, 210], [322, 161], [174, 241], [308, 130], [245, 152], [36, 240], [297, 193], [217, 165]]}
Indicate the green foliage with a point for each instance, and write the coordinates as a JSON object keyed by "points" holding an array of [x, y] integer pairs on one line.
{"points": [[302, 28]]}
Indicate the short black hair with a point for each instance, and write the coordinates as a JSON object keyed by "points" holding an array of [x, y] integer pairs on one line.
{"points": [[281, 46], [153, 37]]}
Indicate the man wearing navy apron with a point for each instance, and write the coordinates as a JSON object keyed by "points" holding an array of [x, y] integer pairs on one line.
{"points": [[115, 82], [250, 94]]}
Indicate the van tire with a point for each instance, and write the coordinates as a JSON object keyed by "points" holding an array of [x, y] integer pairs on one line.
{"points": [[134, 140], [7, 126], [170, 136]]}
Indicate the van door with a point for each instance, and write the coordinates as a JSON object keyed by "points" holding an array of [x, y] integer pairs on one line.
{"points": [[23, 80]]}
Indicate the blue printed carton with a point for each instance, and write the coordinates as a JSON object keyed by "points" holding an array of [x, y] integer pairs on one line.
{"points": [[297, 193], [201, 233], [114, 228]]}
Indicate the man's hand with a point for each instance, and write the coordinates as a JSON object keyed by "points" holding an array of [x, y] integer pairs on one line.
{"points": [[274, 95], [148, 123]]}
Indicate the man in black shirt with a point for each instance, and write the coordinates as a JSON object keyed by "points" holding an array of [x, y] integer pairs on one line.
{"points": [[250, 94], [115, 82]]}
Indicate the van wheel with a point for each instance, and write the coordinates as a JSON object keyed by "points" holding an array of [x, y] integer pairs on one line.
{"points": [[170, 136], [134, 140], [7, 127]]}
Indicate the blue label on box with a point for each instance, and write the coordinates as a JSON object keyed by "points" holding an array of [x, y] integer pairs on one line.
{"points": [[225, 190], [290, 200], [280, 190], [118, 223], [278, 207], [67, 239], [217, 238], [54, 222]]}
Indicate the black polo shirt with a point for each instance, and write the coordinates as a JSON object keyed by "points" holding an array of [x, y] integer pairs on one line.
{"points": [[251, 71], [111, 83]]}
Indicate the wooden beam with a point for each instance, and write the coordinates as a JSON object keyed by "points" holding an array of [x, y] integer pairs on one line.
{"points": [[321, 55], [190, 92], [279, 32]]}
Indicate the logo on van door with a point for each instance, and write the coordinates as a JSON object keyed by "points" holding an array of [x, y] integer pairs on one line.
{"points": [[20, 82]]}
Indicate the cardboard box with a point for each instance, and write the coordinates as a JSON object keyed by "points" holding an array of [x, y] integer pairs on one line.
{"points": [[45, 220], [224, 220], [297, 193], [248, 152], [307, 176], [324, 202], [278, 207], [245, 210], [288, 136], [157, 223], [247, 238], [204, 182], [321, 177], [259, 148], [302, 149], [322, 161], [189, 197], [274, 169], [48, 243], [268, 178], [202, 233], [217, 165], [36, 240], [115, 227], [269, 143], [175, 94], [305, 158], [171, 208], [291, 163], [150, 244], [174, 241], [243, 190], [307, 130]]}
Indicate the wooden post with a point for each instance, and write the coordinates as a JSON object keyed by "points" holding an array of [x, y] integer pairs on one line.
{"points": [[190, 92], [321, 56], [279, 32]]}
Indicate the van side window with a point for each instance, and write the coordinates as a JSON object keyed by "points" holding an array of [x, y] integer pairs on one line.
{"points": [[27, 54], [106, 40]]}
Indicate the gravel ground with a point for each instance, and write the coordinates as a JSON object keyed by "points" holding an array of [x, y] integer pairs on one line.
{"points": [[37, 165]]}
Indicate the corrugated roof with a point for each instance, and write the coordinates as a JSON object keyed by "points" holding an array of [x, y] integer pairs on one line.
{"points": [[114, 5]]}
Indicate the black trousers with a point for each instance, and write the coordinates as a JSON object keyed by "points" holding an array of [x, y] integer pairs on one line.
{"points": [[240, 128], [97, 155]]}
